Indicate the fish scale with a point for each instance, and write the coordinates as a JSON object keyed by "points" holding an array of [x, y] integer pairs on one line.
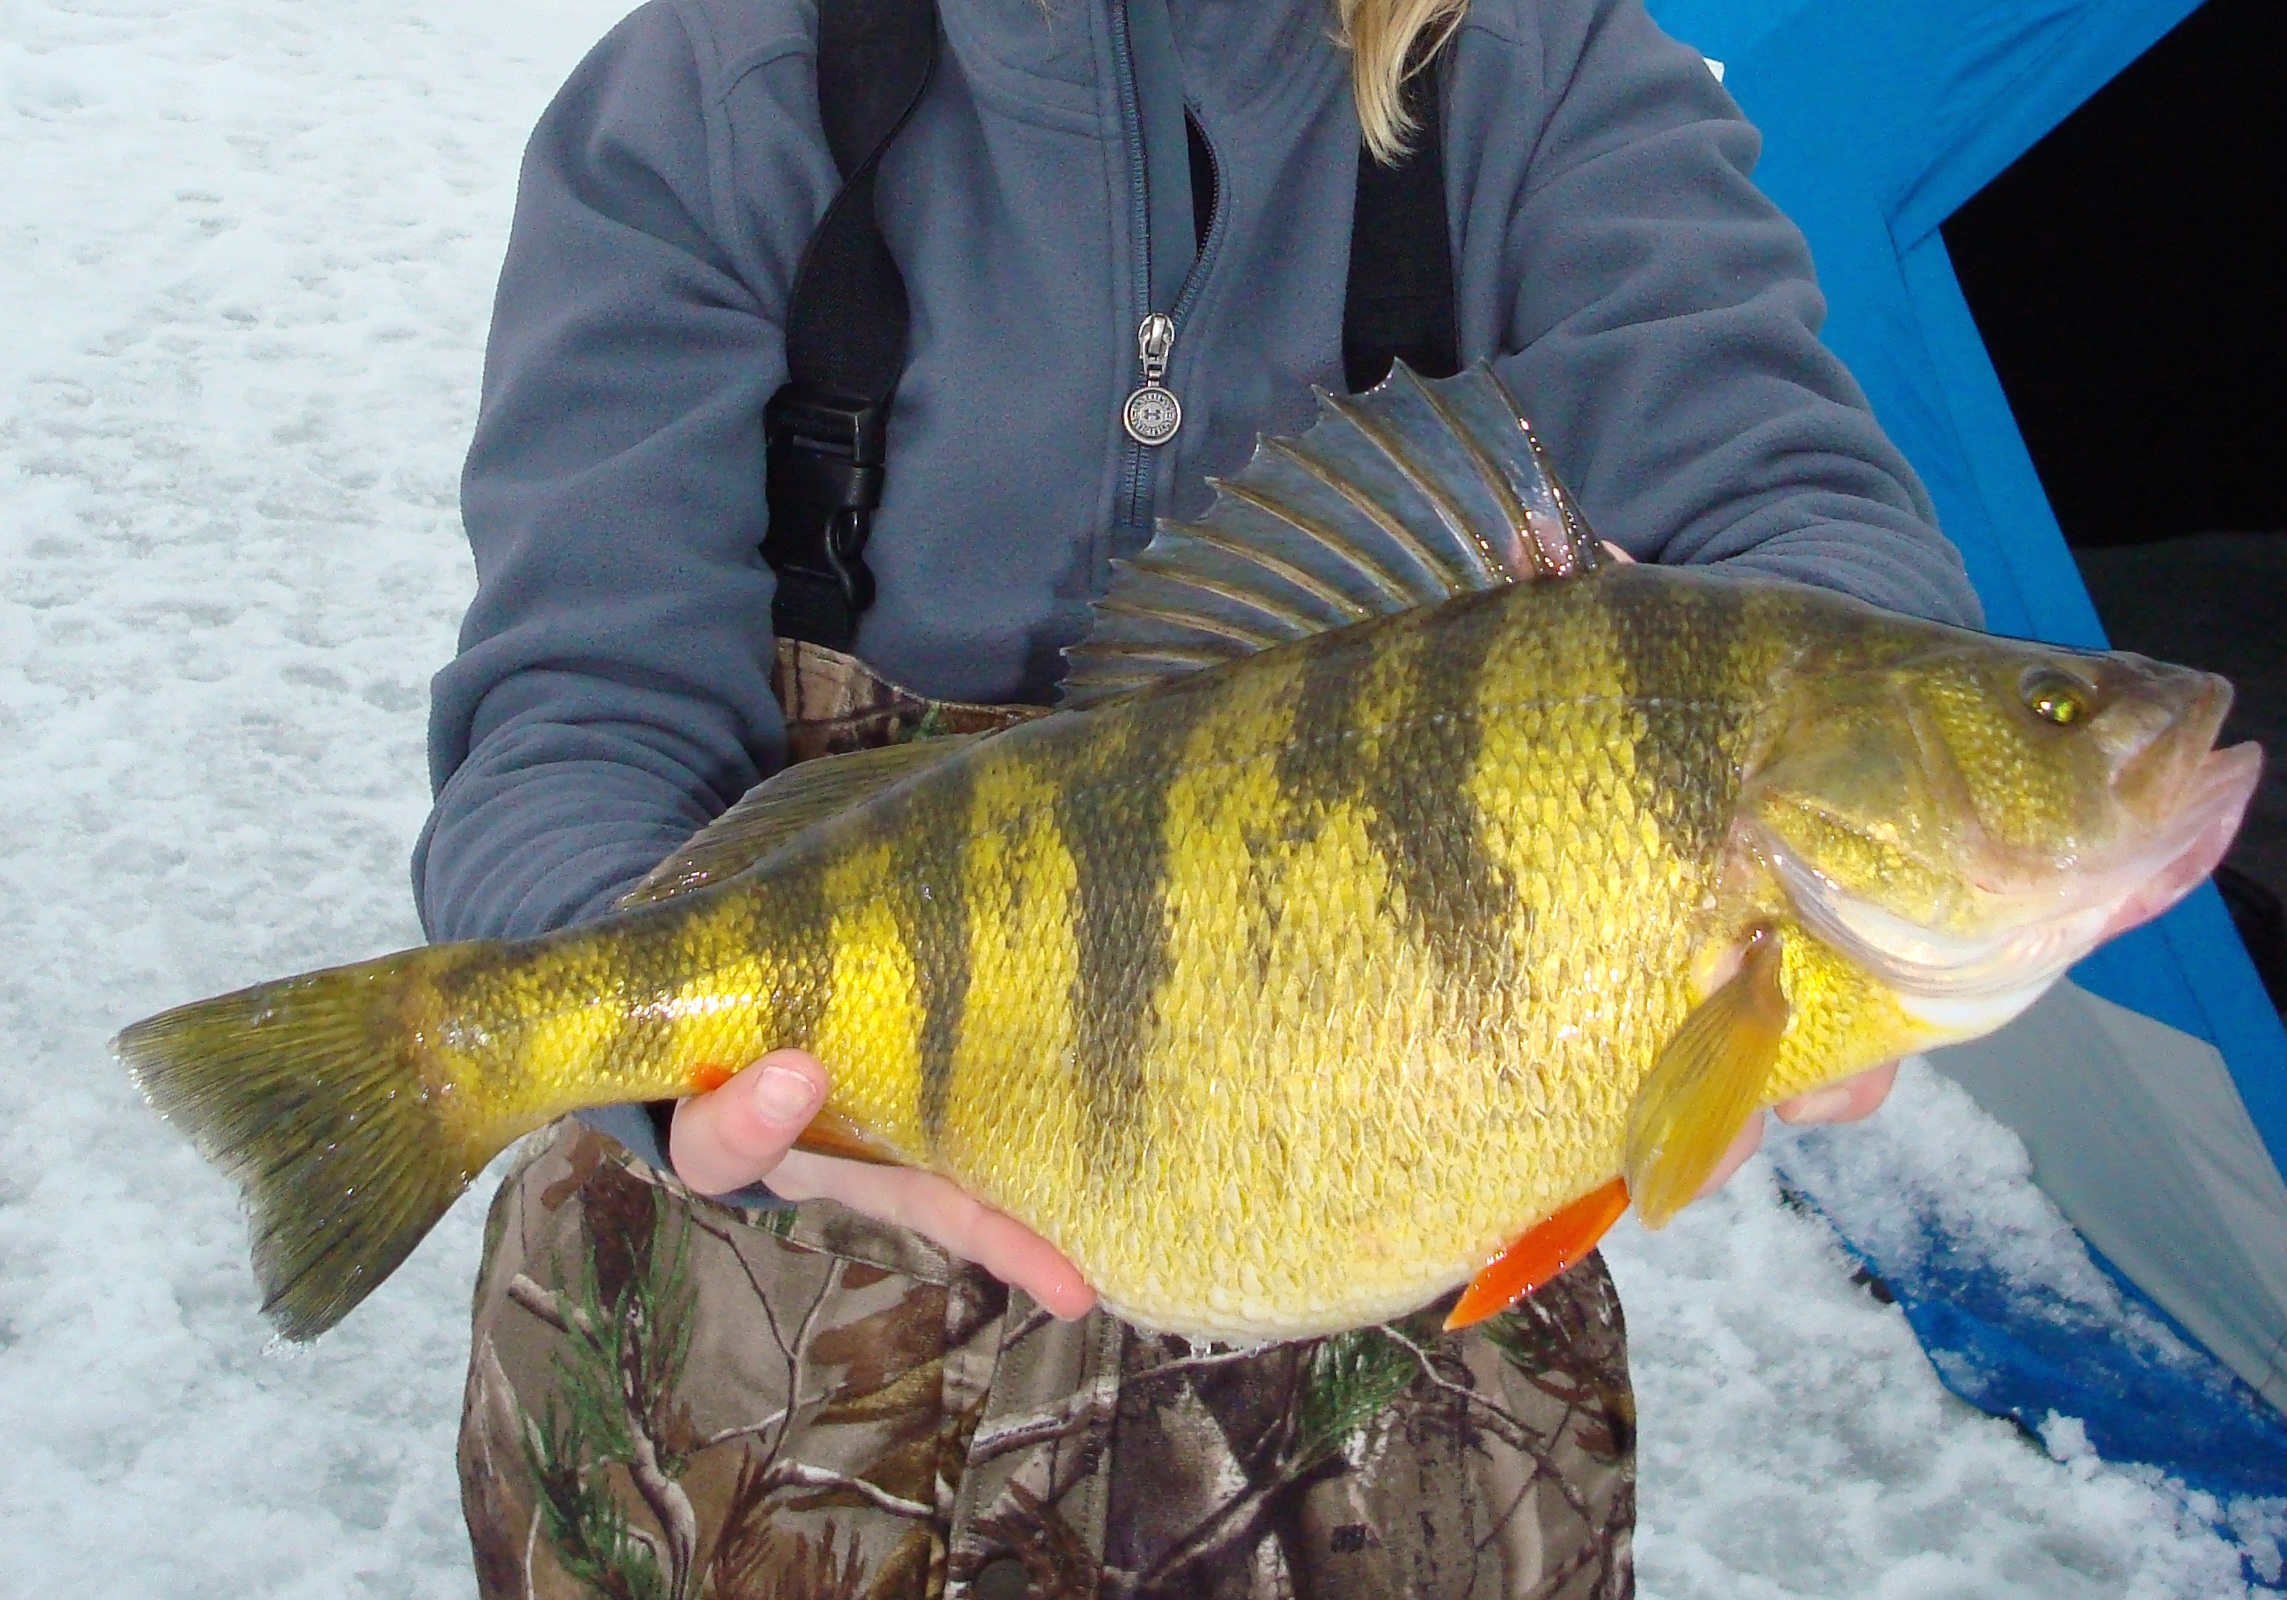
{"points": [[1399, 874]]}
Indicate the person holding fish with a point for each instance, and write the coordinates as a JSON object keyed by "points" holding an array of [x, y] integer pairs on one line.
{"points": [[1110, 995]]}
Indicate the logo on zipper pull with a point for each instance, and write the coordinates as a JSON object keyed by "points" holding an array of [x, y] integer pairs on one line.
{"points": [[1152, 413]]}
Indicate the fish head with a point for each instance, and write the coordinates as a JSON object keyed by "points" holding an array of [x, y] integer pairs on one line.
{"points": [[1966, 816]]}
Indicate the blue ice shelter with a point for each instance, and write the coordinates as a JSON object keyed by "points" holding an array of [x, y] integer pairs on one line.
{"points": [[2151, 1088]]}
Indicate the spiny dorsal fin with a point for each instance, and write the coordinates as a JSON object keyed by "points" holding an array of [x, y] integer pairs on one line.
{"points": [[779, 807], [1407, 495]]}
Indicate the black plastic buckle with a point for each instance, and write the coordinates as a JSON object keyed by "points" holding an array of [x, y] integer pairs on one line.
{"points": [[823, 469]]}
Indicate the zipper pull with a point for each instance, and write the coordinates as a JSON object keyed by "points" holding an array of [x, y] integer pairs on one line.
{"points": [[1152, 413]]}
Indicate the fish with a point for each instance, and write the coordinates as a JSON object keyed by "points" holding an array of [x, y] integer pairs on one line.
{"points": [[1402, 890]]}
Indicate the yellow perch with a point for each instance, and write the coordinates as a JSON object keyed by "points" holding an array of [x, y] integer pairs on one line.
{"points": [[1363, 910]]}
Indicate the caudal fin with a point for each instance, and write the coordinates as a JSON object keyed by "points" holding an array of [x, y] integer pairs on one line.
{"points": [[311, 1093]]}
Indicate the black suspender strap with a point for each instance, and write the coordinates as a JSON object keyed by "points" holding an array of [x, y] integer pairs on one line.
{"points": [[847, 319], [1400, 300], [846, 330]]}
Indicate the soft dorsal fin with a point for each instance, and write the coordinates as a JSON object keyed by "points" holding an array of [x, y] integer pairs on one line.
{"points": [[1407, 495], [781, 806]]}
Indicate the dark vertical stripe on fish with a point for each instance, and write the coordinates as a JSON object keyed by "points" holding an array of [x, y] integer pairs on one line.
{"points": [[1425, 822], [1673, 650], [1111, 817], [641, 961], [1318, 771], [795, 922], [1414, 792], [932, 909]]}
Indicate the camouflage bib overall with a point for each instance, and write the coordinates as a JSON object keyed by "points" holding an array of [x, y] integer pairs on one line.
{"points": [[675, 1399]]}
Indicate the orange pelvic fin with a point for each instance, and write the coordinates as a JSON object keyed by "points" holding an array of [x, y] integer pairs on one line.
{"points": [[1540, 1255]]}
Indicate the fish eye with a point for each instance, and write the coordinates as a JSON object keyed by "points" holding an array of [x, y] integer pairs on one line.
{"points": [[2056, 697]]}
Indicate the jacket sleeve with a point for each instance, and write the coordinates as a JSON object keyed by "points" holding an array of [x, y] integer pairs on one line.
{"points": [[1661, 317], [611, 691]]}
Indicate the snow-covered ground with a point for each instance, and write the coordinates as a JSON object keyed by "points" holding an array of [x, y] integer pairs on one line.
{"points": [[246, 253]]}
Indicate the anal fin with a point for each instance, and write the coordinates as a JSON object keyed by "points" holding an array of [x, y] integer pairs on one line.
{"points": [[1706, 1083], [832, 1134], [829, 1133], [1540, 1255]]}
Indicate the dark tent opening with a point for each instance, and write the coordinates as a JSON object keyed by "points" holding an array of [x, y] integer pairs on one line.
{"points": [[2126, 277]]}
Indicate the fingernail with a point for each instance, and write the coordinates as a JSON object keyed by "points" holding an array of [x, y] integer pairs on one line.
{"points": [[1820, 1105], [784, 1096]]}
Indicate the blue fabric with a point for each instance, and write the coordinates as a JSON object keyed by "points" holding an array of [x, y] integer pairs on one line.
{"points": [[1879, 120]]}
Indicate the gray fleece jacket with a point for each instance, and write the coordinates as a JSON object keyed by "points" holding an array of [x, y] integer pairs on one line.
{"points": [[1654, 314]]}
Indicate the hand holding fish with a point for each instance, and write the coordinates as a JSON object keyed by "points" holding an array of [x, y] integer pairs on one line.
{"points": [[744, 1132]]}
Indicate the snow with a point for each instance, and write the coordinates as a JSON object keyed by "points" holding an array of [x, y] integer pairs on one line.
{"points": [[246, 266], [1797, 1443], [246, 255]]}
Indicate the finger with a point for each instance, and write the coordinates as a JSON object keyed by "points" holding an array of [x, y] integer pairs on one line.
{"points": [[940, 1210], [1748, 1140], [740, 1132], [1616, 553], [1846, 1101]]}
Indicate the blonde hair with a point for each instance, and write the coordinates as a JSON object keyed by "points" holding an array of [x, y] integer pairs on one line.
{"points": [[1389, 41]]}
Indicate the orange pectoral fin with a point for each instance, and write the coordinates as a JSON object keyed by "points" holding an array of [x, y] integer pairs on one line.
{"points": [[1540, 1255]]}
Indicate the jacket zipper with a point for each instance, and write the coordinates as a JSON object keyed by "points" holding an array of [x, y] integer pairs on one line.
{"points": [[1139, 225], [1151, 408], [1152, 413], [1155, 363]]}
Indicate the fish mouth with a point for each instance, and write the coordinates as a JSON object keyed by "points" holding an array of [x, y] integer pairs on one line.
{"points": [[2218, 791], [2034, 933], [2157, 775]]}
